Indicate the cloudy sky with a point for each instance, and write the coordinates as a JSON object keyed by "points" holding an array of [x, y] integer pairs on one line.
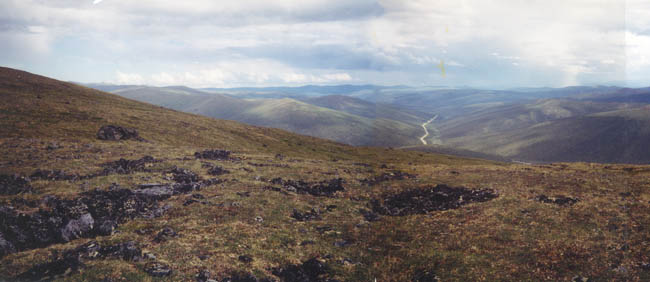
{"points": [[227, 43]]}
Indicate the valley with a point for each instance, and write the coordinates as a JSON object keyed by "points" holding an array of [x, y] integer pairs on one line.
{"points": [[529, 124]]}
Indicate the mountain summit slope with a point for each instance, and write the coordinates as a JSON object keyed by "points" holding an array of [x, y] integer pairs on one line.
{"points": [[194, 198]]}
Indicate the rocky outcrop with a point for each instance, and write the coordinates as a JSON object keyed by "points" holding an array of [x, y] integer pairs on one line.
{"points": [[117, 133], [424, 200]]}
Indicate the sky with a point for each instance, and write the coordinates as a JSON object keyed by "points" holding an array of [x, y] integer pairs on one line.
{"points": [[256, 43]]}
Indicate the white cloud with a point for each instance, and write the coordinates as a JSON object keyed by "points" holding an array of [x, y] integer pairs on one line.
{"points": [[129, 78], [317, 41]]}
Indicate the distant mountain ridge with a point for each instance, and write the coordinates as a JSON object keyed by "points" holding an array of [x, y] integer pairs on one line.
{"points": [[527, 124]]}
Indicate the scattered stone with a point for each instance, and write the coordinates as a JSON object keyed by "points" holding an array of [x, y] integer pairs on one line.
{"points": [[116, 133], [313, 214], [244, 277], [53, 175], [124, 166], [259, 219], [579, 278], [307, 242], [369, 215], [244, 194], [245, 258], [203, 276], [106, 227], [268, 165], [189, 202], [424, 200], [155, 191], [53, 146], [387, 176], [310, 270], [72, 260], [323, 229], [150, 256], [14, 184], [346, 261], [324, 188], [217, 170], [127, 251], [558, 200], [165, 234], [144, 231], [425, 276], [181, 175], [644, 266], [213, 155], [157, 269], [204, 257], [342, 243]]}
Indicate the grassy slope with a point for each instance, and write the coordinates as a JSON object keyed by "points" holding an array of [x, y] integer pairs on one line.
{"points": [[604, 236]]}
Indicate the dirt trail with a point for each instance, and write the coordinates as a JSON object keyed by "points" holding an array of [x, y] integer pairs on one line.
{"points": [[426, 131]]}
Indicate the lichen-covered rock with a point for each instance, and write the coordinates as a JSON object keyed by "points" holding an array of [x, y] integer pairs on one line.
{"points": [[77, 228], [157, 269], [116, 133]]}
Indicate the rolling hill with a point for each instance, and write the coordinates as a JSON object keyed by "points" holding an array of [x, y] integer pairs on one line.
{"points": [[197, 198], [555, 130], [358, 123]]}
